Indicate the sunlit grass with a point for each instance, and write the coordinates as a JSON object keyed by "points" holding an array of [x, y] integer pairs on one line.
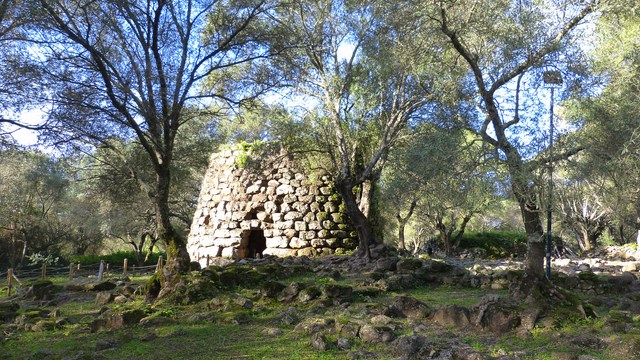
{"points": [[450, 295]]}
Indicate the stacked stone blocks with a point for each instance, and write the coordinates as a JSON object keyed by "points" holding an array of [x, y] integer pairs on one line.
{"points": [[268, 206]]}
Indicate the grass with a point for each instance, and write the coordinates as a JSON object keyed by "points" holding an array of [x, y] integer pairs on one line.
{"points": [[450, 295], [230, 332]]}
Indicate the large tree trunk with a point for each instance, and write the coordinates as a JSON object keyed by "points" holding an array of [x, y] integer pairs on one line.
{"points": [[637, 236], [525, 194], [357, 217], [584, 240], [535, 239], [402, 223], [176, 246]]}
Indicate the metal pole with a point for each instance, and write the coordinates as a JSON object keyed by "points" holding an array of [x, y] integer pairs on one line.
{"points": [[549, 203]]}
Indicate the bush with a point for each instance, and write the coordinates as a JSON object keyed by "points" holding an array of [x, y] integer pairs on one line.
{"points": [[114, 258], [497, 244]]}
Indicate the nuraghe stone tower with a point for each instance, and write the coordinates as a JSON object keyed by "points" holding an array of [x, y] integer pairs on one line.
{"points": [[254, 205]]}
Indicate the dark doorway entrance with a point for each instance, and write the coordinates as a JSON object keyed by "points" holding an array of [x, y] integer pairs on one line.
{"points": [[252, 245]]}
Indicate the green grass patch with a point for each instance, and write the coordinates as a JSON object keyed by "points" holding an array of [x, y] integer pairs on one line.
{"points": [[449, 295], [116, 258], [497, 244]]}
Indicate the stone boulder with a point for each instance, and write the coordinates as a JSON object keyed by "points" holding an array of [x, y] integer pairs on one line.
{"points": [[409, 307], [104, 297], [337, 292], [309, 293], [271, 289], [80, 284], [496, 315], [386, 264], [408, 265], [319, 342], [8, 310], [452, 315], [409, 346], [40, 290], [118, 320], [376, 334]]}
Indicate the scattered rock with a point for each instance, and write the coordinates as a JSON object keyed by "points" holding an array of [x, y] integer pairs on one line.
{"points": [[40, 290], [343, 343], [349, 329], [407, 347], [82, 284], [375, 334], [244, 302], [118, 320], [408, 264], [319, 342], [156, 321], [314, 325], [43, 325], [291, 316], [496, 315], [407, 306], [386, 264], [104, 297], [452, 315], [8, 310], [361, 354], [271, 289], [381, 320], [291, 291], [338, 292], [309, 293]]}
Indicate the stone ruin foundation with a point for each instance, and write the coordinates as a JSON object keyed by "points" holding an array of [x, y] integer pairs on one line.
{"points": [[265, 204]]}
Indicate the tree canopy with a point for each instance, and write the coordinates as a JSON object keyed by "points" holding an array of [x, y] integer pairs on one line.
{"points": [[430, 104]]}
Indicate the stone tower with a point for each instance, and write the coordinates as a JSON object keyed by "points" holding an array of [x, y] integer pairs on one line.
{"points": [[254, 204]]}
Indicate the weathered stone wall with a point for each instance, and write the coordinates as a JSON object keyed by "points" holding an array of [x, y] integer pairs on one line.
{"points": [[266, 205]]}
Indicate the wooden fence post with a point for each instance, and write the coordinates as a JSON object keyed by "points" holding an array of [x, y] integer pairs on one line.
{"points": [[100, 270], [208, 259], [107, 270], [124, 267], [43, 271], [9, 279], [133, 270], [71, 271], [78, 267]]}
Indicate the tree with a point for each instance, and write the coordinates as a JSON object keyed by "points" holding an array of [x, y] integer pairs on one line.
{"points": [[15, 88], [583, 211], [140, 71], [32, 187], [127, 214], [502, 44], [444, 175], [361, 84], [611, 117]]}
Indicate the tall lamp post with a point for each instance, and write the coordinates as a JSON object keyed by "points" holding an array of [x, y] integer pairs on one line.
{"points": [[552, 79]]}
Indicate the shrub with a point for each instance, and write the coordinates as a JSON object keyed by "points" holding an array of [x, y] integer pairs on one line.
{"points": [[497, 244], [114, 258]]}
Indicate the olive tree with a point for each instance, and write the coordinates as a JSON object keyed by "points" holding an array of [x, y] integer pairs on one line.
{"points": [[140, 71]]}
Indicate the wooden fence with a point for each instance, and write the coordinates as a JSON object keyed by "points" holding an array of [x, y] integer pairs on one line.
{"points": [[14, 279]]}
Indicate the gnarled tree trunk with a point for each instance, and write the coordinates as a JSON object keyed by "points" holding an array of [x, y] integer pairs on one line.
{"points": [[357, 217]]}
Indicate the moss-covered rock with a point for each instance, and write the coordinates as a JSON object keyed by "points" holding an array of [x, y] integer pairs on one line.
{"points": [[337, 292], [41, 290], [408, 264], [309, 293], [8, 310], [271, 289]]}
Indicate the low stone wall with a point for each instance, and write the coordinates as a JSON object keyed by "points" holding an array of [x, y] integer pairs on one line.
{"points": [[265, 204]]}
